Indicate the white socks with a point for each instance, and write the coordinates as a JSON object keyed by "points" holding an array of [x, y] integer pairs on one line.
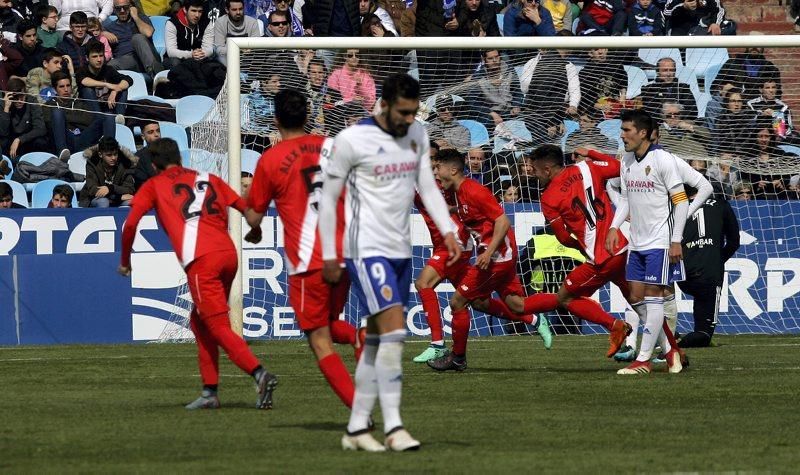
{"points": [[389, 369], [636, 314], [366, 387], [652, 327], [671, 312]]}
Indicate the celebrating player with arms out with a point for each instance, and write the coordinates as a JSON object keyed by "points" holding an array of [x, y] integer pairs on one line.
{"points": [[649, 183], [495, 268], [381, 159], [291, 174], [193, 208]]}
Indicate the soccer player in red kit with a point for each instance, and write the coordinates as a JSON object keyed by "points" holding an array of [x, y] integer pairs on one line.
{"points": [[495, 268], [193, 208], [291, 174], [579, 211]]}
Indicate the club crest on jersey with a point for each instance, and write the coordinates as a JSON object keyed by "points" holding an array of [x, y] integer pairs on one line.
{"points": [[414, 146], [647, 170], [386, 292]]}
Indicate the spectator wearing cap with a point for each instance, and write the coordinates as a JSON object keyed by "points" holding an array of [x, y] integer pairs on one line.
{"points": [[39, 81], [29, 47], [101, 9], [133, 31], [445, 127], [188, 36], [109, 177], [22, 128], [528, 18], [234, 24], [77, 40]]}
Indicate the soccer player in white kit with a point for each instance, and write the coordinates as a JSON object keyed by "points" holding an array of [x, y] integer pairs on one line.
{"points": [[381, 160], [649, 183]]}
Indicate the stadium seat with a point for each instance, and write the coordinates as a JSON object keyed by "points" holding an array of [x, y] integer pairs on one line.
{"points": [[430, 102], [163, 74], [711, 74], [570, 127], [500, 21], [43, 193], [10, 165], [478, 135], [159, 25], [698, 60], [192, 109], [611, 129], [20, 195], [77, 163], [249, 160], [175, 132], [652, 55], [793, 149], [414, 73], [509, 133], [575, 24], [202, 160], [138, 89], [702, 102], [124, 136], [687, 77], [36, 158], [636, 80]]}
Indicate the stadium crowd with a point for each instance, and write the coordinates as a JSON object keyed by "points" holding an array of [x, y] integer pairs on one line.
{"points": [[68, 71]]}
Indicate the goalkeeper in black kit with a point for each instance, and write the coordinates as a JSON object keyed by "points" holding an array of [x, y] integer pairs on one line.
{"points": [[710, 238]]}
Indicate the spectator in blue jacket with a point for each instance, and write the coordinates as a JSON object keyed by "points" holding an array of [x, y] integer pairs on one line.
{"points": [[528, 18], [645, 19]]}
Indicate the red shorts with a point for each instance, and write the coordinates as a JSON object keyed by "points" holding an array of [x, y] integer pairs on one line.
{"points": [[454, 272], [585, 279], [210, 277], [500, 277], [316, 303]]}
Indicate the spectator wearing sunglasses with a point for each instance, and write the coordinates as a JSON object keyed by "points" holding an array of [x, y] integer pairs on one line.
{"points": [[131, 40], [276, 24], [353, 80], [295, 24]]}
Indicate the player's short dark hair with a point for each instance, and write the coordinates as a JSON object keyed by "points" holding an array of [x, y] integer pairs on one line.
{"points": [[58, 76], [291, 108], [640, 119], [78, 18], [96, 47], [51, 53], [451, 156], [399, 85], [549, 153], [25, 25], [107, 145], [164, 152], [64, 190], [5, 190]]}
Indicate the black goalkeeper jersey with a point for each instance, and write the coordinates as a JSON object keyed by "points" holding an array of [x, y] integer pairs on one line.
{"points": [[710, 238]]}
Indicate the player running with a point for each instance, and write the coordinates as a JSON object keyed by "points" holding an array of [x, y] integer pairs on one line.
{"points": [[291, 174], [495, 268], [380, 160], [193, 208], [652, 192]]}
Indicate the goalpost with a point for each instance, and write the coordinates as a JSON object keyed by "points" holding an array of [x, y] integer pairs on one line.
{"points": [[761, 293]]}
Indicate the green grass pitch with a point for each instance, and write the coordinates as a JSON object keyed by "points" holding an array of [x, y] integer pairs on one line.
{"points": [[518, 408]]}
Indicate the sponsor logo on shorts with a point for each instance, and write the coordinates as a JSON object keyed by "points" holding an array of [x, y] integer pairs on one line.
{"points": [[569, 282], [386, 292], [651, 278], [436, 258]]}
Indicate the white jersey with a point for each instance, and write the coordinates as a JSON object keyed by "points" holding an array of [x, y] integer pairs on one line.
{"points": [[646, 184], [381, 175]]}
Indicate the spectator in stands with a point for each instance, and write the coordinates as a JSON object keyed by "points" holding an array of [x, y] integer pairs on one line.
{"points": [[72, 121], [151, 131], [697, 17], [7, 197], [77, 40], [258, 108], [743, 192], [370, 7], [438, 69], [39, 80], [748, 71], [561, 12], [733, 120], [603, 83], [109, 181], [603, 17], [318, 95], [133, 49], [769, 106], [714, 107], [681, 135], [295, 23], [352, 80], [187, 35], [276, 24], [509, 192], [380, 62], [62, 197], [529, 189], [331, 17], [499, 96], [444, 126], [234, 24], [95, 30], [723, 175], [48, 17], [408, 20], [247, 182], [666, 87], [29, 47], [94, 8], [528, 18], [590, 137], [22, 128], [477, 18], [645, 19], [477, 166], [101, 84], [762, 163], [9, 17]]}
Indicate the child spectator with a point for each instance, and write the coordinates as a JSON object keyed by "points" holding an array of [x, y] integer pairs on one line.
{"points": [[62, 197], [48, 17], [76, 41], [561, 11], [40, 80], [95, 30], [645, 19], [109, 181]]}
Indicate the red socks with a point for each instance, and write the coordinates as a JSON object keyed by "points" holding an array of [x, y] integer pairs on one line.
{"points": [[591, 311], [670, 335], [219, 328], [541, 303], [342, 332], [339, 379], [430, 303], [499, 308], [460, 324]]}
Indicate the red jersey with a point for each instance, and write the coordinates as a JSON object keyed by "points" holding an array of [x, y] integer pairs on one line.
{"points": [[291, 174], [462, 235], [478, 209], [576, 202], [193, 208]]}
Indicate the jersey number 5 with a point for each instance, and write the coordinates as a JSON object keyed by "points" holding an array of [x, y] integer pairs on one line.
{"points": [[313, 181], [190, 198]]}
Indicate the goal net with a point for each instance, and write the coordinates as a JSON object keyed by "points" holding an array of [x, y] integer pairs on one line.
{"points": [[724, 105]]}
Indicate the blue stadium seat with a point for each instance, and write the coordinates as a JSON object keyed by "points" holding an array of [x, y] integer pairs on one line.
{"points": [[159, 25], [192, 109], [478, 135], [575, 24], [20, 195], [163, 74], [511, 130], [636, 79], [175, 132], [702, 102], [793, 149], [570, 127], [43, 193], [77, 163], [414, 73], [124, 136], [711, 74], [201, 160], [249, 160], [500, 21], [36, 158], [138, 89], [698, 60], [611, 129], [652, 55]]}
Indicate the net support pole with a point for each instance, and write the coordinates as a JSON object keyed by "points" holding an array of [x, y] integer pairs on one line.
{"points": [[233, 83]]}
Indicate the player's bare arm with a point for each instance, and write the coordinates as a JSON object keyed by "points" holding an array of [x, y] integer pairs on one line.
{"points": [[612, 240], [501, 226]]}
